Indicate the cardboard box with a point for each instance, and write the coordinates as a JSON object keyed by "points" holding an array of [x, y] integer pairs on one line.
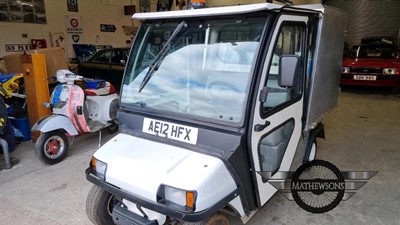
{"points": [[55, 60]]}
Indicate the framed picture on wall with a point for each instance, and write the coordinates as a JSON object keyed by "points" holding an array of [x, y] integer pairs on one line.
{"points": [[181, 4], [22, 11], [164, 5], [144, 5], [3, 5]]}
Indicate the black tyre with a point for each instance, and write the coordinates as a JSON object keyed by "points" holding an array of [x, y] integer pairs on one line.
{"points": [[113, 128], [52, 147], [216, 219], [99, 206]]}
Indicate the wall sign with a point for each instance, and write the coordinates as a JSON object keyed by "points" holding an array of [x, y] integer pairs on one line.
{"points": [[72, 5], [107, 28], [18, 47], [57, 39], [74, 29], [129, 10], [38, 43], [84, 51]]}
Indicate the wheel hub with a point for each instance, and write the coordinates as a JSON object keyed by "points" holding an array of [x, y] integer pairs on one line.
{"points": [[53, 146]]}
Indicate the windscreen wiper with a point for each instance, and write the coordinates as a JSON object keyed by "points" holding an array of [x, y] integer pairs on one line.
{"points": [[160, 56]]}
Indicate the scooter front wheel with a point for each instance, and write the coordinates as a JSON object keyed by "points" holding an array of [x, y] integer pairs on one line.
{"points": [[52, 147]]}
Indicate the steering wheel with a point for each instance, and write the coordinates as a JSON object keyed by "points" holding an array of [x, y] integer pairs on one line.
{"points": [[215, 86], [223, 106]]}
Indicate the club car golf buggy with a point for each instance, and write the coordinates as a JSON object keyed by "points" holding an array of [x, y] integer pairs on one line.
{"points": [[210, 98]]}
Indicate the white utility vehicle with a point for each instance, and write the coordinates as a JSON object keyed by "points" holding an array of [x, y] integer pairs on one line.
{"points": [[210, 98]]}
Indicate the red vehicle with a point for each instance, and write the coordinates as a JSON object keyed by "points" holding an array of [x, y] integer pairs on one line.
{"points": [[372, 65]]}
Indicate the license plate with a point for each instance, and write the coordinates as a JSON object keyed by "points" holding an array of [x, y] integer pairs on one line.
{"points": [[364, 77], [170, 130]]}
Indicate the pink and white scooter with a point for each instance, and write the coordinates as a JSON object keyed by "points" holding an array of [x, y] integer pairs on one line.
{"points": [[74, 112]]}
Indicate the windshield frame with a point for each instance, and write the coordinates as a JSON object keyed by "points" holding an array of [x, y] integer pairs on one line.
{"points": [[137, 53]]}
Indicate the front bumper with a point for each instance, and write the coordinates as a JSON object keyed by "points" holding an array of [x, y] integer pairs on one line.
{"points": [[381, 80], [157, 207], [123, 216]]}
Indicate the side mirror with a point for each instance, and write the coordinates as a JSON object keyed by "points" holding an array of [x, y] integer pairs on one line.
{"points": [[288, 70]]}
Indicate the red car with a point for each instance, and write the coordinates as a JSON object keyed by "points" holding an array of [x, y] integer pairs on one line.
{"points": [[372, 65]]}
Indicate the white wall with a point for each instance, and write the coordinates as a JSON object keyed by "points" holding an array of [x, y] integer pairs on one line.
{"points": [[93, 13]]}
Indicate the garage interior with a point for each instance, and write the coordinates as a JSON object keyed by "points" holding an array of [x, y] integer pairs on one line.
{"points": [[361, 132]]}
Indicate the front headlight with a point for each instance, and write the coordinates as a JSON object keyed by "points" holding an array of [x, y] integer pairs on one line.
{"points": [[345, 69], [389, 71], [182, 199], [99, 167]]}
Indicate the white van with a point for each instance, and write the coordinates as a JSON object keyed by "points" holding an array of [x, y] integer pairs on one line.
{"points": [[210, 97]]}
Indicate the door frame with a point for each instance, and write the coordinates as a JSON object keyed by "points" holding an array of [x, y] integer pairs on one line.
{"points": [[276, 118]]}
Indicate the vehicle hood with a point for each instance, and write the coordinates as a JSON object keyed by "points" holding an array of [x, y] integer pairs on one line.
{"points": [[371, 62], [139, 166]]}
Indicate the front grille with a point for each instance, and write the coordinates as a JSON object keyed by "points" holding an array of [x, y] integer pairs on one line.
{"points": [[366, 70]]}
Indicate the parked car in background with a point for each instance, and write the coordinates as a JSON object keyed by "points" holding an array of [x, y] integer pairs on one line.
{"points": [[389, 40], [372, 65], [107, 64]]}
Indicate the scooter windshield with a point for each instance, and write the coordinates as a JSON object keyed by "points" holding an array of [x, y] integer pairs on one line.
{"points": [[206, 72]]}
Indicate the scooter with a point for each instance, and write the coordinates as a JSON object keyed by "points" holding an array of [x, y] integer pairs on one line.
{"points": [[74, 112]]}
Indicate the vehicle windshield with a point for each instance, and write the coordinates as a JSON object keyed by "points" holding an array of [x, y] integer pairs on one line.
{"points": [[374, 51], [205, 73]]}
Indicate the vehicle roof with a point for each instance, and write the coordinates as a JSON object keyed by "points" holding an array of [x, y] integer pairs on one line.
{"points": [[225, 10]]}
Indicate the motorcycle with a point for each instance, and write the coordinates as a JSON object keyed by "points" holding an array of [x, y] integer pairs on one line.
{"points": [[74, 112], [10, 84]]}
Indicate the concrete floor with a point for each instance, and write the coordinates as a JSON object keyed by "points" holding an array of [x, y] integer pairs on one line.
{"points": [[362, 134]]}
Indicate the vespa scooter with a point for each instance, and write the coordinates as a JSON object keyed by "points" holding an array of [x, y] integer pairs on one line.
{"points": [[74, 112]]}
